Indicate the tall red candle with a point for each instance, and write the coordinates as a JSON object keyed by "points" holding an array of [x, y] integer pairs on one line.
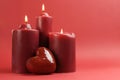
{"points": [[25, 41], [63, 47], [44, 25]]}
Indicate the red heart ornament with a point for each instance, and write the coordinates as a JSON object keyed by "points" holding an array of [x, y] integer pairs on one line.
{"points": [[42, 63]]}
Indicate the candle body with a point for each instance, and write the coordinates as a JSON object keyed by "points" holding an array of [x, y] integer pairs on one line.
{"points": [[24, 45], [63, 47], [44, 25]]}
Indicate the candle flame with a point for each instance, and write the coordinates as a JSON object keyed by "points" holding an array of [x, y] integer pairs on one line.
{"points": [[26, 18], [61, 31], [43, 7]]}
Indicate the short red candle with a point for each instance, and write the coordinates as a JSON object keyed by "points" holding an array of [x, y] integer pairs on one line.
{"points": [[63, 47], [25, 41], [44, 25]]}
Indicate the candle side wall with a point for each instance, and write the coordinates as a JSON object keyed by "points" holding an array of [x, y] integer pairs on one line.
{"points": [[63, 47]]}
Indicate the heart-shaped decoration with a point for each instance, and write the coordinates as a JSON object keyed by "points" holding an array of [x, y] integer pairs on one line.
{"points": [[43, 63]]}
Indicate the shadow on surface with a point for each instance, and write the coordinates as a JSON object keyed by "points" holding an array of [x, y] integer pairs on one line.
{"points": [[5, 71]]}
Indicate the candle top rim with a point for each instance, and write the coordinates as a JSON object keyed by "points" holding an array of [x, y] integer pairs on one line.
{"points": [[25, 29], [64, 33], [45, 14]]}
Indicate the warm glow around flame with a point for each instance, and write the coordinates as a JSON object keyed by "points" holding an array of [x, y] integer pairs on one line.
{"points": [[26, 18], [43, 7], [61, 31]]}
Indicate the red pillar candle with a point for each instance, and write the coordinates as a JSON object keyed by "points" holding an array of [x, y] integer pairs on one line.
{"points": [[44, 25], [25, 41], [63, 47]]}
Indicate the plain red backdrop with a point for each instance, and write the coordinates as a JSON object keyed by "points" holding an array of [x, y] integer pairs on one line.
{"points": [[96, 24]]}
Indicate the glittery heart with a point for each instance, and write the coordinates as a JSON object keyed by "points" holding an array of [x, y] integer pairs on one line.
{"points": [[42, 63]]}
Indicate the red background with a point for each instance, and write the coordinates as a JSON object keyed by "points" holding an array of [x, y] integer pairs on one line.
{"points": [[97, 28]]}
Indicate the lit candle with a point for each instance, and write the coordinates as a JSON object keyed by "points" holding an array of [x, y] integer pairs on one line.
{"points": [[63, 46], [44, 25], [25, 41]]}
